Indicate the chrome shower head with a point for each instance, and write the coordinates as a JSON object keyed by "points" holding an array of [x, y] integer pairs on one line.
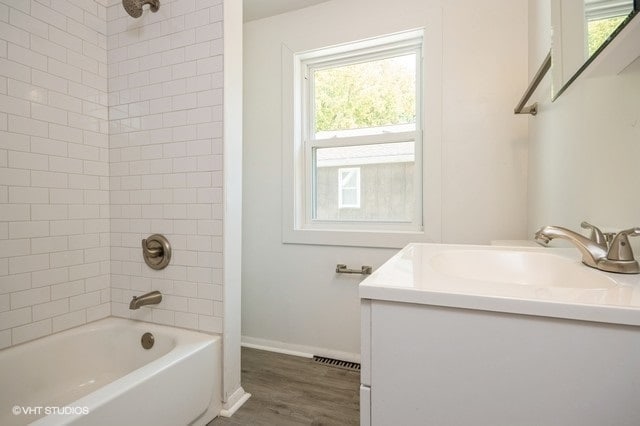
{"points": [[134, 7]]}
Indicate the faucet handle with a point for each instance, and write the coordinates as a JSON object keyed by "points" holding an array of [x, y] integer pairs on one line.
{"points": [[620, 248], [596, 234]]}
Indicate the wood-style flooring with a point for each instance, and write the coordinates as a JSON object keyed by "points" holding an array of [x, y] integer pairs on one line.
{"points": [[289, 390]]}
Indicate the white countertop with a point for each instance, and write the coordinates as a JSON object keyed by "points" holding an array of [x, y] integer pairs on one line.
{"points": [[410, 277]]}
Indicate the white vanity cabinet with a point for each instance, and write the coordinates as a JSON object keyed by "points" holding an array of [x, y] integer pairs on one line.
{"points": [[432, 357]]}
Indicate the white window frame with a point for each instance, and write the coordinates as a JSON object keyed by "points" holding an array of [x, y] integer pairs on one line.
{"points": [[297, 197], [341, 187]]}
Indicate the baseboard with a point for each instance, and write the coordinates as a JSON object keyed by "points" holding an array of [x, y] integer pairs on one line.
{"points": [[235, 401], [297, 350]]}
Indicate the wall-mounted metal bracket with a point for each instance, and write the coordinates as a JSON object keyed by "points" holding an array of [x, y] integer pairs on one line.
{"points": [[342, 269], [533, 109]]}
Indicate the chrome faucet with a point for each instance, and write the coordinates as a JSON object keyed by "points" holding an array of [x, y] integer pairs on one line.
{"points": [[151, 298], [607, 252]]}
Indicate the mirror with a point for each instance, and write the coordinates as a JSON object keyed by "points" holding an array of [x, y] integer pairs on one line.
{"points": [[581, 29]]}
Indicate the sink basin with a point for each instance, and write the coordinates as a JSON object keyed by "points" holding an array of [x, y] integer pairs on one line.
{"points": [[519, 267]]}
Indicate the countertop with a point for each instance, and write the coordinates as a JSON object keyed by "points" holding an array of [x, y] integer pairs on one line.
{"points": [[410, 277]]}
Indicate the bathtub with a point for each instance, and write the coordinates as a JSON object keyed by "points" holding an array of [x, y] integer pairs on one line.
{"points": [[99, 374]]}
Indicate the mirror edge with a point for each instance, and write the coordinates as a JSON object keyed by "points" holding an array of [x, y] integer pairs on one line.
{"points": [[636, 11]]}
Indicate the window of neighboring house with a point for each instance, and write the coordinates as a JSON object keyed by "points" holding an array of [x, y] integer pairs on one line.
{"points": [[349, 188]]}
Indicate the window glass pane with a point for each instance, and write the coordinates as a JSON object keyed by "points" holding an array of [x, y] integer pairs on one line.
{"points": [[385, 191], [365, 98]]}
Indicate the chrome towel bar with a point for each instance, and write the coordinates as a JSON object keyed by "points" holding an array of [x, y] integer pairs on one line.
{"points": [[533, 109], [342, 269]]}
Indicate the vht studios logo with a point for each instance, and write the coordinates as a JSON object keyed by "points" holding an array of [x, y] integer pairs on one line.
{"points": [[40, 410]]}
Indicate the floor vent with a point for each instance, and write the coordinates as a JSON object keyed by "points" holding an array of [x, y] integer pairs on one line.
{"points": [[347, 365]]}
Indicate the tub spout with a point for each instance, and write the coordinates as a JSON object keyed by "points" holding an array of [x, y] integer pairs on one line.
{"points": [[151, 298]]}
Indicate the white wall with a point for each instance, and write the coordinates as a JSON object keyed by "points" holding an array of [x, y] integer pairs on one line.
{"points": [[165, 140], [583, 151], [54, 189], [292, 297]]}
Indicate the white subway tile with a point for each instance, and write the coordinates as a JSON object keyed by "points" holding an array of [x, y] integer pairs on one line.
{"points": [[14, 70], [69, 320], [28, 126], [67, 289], [209, 32], [47, 48], [98, 312], [210, 324], [30, 297], [27, 160], [15, 282], [50, 309], [48, 15], [65, 39], [14, 211], [26, 91], [66, 258], [13, 34], [84, 271], [47, 113], [28, 229], [210, 97], [49, 211], [162, 316], [49, 179], [65, 165], [5, 304], [65, 102], [82, 32], [48, 245], [186, 320], [48, 146], [26, 57], [4, 13], [49, 81], [30, 331], [65, 71], [10, 248], [15, 318], [66, 227], [210, 65], [28, 196]]}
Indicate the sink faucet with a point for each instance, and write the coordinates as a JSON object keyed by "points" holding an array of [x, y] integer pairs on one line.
{"points": [[596, 252], [151, 298]]}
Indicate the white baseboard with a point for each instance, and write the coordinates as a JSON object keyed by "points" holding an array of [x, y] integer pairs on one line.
{"points": [[235, 401], [297, 350]]}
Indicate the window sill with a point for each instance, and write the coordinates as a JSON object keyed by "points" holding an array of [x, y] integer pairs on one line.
{"points": [[373, 239]]}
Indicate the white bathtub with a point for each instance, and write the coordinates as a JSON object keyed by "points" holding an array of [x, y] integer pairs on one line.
{"points": [[99, 374]]}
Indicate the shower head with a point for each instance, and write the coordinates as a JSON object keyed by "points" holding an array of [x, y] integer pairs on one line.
{"points": [[134, 7]]}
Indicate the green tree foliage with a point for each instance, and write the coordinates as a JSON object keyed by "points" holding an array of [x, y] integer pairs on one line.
{"points": [[600, 30], [369, 94]]}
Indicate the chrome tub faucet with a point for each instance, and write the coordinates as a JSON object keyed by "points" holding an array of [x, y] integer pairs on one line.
{"points": [[151, 298], [605, 251]]}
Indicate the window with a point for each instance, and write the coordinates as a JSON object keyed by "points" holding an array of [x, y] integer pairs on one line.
{"points": [[356, 146], [603, 18], [349, 188]]}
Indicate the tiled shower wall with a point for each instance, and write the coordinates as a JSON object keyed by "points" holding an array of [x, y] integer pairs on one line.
{"points": [[54, 189], [165, 139]]}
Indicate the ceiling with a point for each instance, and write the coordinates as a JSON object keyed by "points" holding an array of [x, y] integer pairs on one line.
{"points": [[258, 9]]}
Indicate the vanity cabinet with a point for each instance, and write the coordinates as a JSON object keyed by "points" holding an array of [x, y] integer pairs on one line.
{"points": [[430, 365], [432, 358]]}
